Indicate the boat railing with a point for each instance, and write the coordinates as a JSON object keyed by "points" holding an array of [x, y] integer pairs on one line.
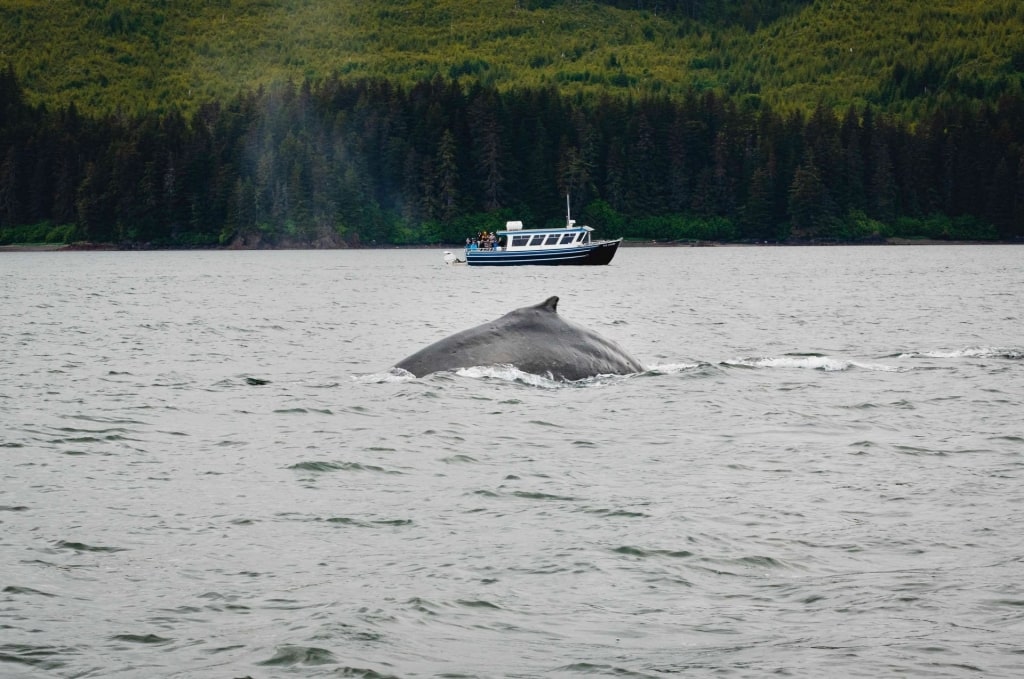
{"points": [[484, 247]]}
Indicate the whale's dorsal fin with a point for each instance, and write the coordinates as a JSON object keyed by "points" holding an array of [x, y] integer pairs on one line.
{"points": [[550, 304]]}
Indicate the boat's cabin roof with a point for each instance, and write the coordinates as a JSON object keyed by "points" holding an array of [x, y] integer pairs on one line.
{"points": [[517, 227], [532, 232]]}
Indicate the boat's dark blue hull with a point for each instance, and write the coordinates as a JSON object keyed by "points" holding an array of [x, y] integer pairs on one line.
{"points": [[596, 253]]}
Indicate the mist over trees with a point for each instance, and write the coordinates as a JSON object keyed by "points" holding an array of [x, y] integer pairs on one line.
{"points": [[341, 163]]}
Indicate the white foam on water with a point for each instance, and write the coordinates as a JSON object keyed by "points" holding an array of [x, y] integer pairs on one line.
{"points": [[670, 368], [392, 375], [969, 352], [508, 373], [814, 362]]}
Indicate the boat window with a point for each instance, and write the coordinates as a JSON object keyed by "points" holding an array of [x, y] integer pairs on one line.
{"points": [[552, 239], [537, 240], [568, 238], [519, 241]]}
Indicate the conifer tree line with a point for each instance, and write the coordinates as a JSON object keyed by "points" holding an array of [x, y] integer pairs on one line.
{"points": [[748, 13], [340, 163]]}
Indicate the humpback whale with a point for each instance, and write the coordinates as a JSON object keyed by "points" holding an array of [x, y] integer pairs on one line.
{"points": [[534, 339]]}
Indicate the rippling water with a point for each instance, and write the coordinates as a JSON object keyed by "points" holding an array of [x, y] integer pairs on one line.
{"points": [[208, 470]]}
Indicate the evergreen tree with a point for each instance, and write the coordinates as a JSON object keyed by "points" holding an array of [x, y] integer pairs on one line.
{"points": [[1016, 227], [882, 201], [11, 190], [853, 196], [812, 211], [757, 219], [447, 178], [488, 148]]}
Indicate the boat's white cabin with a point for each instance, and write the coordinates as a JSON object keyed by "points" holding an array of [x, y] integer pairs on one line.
{"points": [[533, 239]]}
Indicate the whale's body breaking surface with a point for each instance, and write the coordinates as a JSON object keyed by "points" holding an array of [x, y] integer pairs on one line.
{"points": [[534, 339]]}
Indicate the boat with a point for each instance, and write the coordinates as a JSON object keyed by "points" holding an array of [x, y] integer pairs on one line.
{"points": [[515, 245]]}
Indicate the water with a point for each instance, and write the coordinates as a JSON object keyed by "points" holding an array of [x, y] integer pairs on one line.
{"points": [[208, 471]]}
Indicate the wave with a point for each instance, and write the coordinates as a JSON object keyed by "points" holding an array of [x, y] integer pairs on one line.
{"points": [[324, 466], [392, 375], [509, 373], [673, 368], [504, 373], [969, 352], [286, 656], [807, 362]]}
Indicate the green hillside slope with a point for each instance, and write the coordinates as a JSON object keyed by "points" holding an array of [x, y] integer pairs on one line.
{"points": [[155, 55]]}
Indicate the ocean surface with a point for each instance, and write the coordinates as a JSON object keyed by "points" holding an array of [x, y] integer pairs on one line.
{"points": [[208, 470]]}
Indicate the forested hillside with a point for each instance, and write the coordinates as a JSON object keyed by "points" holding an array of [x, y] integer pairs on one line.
{"points": [[902, 56], [370, 162], [298, 123]]}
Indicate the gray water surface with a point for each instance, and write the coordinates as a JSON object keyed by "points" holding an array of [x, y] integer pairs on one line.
{"points": [[207, 470]]}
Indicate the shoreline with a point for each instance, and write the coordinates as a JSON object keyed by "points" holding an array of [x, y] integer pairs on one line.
{"points": [[107, 247], [56, 247]]}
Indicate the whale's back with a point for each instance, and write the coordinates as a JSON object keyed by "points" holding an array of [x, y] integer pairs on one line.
{"points": [[534, 339]]}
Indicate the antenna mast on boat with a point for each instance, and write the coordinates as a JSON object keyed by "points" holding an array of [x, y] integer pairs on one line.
{"points": [[568, 214]]}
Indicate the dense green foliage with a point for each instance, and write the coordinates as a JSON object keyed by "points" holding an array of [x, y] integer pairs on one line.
{"points": [[902, 56], [152, 122], [370, 162]]}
